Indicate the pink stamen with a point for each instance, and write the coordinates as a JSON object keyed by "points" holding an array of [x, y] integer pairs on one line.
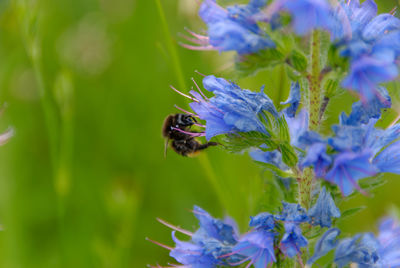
{"points": [[394, 121], [197, 47], [234, 252], [193, 40], [198, 36], [198, 89], [197, 72], [187, 112], [393, 11], [159, 244], [176, 228], [183, 94], [6, 136], [199, 125], [239, 262], [193, 134], [300, 260]]}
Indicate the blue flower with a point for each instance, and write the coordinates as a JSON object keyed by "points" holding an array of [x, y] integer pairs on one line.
{"points": [[326, 243], [214, 228], [209, 246], [317, 157], [293, 99], [263, 220], [389, 243], [231, 29], [231, 109], [367, 72], [362, 112], [258, 247], [348, 168], [389, 159], [380, 25], [351, 17], [361, 249], [292, 240], [269, 157], [369, 41], [308, 14], [298, 126], [348, 138], [292, 213], [188, 253], [323, 210], [211, 12]]}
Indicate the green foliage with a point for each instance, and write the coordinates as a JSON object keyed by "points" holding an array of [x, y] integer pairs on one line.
{"points": [[250, 64], [298, 60], [350, 212]]}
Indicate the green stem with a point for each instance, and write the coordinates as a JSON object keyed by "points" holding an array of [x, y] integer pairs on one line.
{"points": [[176, 64], [315, 82], [48, 106], [305, 181]]}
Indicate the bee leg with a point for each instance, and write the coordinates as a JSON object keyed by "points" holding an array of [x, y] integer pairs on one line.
{"points": [[206, 145]]}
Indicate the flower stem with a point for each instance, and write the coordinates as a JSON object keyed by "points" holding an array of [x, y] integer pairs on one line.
{"points": [[315, 82], [314, 109]]}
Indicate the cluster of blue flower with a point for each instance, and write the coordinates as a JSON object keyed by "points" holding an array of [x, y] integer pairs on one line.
{"points": [[364, 50], [369, 41], [276, 237]]}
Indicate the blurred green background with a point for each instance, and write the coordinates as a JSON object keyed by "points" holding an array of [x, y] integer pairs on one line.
{"points": [[86, 84]]}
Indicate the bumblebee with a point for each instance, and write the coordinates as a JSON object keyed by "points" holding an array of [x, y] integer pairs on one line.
{"points": [[176, 128]]}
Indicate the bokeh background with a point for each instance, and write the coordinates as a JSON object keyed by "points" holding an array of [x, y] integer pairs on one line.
{"points": [[83, 180]]}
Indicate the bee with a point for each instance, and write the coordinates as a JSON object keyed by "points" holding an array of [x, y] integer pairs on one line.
{"points": [[176, 129]]}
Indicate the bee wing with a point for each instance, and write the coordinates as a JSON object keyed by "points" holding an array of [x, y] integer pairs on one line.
{"points": [[166, 147]]}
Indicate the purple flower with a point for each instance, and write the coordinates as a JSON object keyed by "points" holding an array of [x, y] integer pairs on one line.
{"points": [[350, 167], [361, 249], [231, 29], [292, 240], [326, 243], [231, 109], [389, 241], [293, 99], [258, 247], [322, 212]]}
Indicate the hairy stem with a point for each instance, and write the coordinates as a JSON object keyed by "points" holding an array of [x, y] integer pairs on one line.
{"points": [[315, 82], [314, 109]]}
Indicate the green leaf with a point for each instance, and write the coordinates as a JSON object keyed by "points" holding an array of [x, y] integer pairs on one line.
{"points": [[289, 156], [331, 87], [251, 63], [278, 172], [298, 61], [238, 142], [350, 212], [283, 130]]}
